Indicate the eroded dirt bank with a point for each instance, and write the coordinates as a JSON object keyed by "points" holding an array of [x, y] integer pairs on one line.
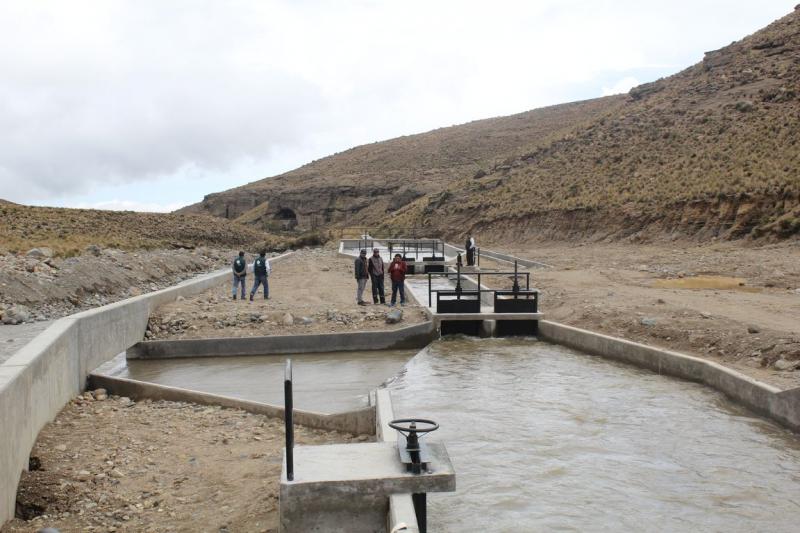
{"points": [[733, 304], [117, 465]]}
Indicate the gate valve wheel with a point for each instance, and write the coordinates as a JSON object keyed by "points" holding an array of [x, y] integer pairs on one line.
{"points": [[404, 425]]}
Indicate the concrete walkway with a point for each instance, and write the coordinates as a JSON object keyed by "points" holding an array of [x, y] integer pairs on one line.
{"points": [[12, 338]]}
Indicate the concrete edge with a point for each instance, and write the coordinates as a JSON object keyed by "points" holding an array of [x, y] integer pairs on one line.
{"points": [[414, 336], [782, 407], [401, 507], [40, 378], [499, 256], [357, 422]]}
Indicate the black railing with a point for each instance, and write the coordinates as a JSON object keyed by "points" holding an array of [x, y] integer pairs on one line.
{"points": [[288, 408], [457, 276]]}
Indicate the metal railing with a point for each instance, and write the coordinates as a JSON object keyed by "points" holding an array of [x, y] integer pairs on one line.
{"points": [[458, 290]]}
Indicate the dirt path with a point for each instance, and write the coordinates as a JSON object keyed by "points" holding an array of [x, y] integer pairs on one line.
{"points": [[116, 465], [635, 291], [313, 291]]}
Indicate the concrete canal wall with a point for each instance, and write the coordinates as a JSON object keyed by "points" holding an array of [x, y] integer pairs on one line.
{"points": [[416, 336], [781, 406], [38, 380]]}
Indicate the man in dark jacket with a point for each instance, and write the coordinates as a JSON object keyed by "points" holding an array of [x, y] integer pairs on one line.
{"points": [[362, 275], [261, 270], [470, 247], [397, 272], [376, 273], [239, 273]]}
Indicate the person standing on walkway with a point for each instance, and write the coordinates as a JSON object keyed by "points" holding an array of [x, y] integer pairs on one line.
{"points": [[239, 273], [397, 272], [361, 270], [470, 247], [376, 273], [261, 271]]}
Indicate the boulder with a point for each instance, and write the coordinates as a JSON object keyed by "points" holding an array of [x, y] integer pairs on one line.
{"points": [[40, 253], [18, 314], [288, 320], [648, 321], [752, 329], [786, 365], [394, 316]]}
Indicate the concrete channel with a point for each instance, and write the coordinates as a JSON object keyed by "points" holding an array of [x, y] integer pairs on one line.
{"points": [[38, 380]]}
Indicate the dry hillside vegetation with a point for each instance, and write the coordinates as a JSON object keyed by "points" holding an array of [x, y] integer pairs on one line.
{"points": [[709, 152], [69, 231], [367, 183]]}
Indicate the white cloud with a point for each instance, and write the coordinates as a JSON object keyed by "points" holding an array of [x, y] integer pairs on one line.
{"points": [[96, 95], [622, 86]]}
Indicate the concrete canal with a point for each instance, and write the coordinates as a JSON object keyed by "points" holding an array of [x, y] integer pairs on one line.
{"points": [[323, 382], [545, 438]]}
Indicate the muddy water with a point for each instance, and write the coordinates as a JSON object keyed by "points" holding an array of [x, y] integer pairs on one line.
{"points": [[546, 439], [323, 382], [706, 282]]}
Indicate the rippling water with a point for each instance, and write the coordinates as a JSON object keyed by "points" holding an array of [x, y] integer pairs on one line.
{"points": [[547, 439], [322, 382]]}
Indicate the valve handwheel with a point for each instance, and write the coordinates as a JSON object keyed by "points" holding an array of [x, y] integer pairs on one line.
{"points": [[410, 425]]}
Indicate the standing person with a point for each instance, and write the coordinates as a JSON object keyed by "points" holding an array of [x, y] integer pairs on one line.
{"points": [[397, 272], [239, 273], [470, 247], [362, 275], [376, 272], [261, 271]]}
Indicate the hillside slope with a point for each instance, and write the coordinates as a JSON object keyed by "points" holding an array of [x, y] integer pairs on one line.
{"points": [[709, 152], [366, 183], [68, 231]]}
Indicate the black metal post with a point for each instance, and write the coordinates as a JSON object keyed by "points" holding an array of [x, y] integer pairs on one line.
{"points": [[287, 408], [420, 501], [515, 288], [430, 304], [458, 281]]}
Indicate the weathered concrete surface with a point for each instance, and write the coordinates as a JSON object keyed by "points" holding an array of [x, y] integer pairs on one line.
{"points": [[781, 406], [417, 336], [43, 375], [13, 338], [350, 484], [357, 422]]}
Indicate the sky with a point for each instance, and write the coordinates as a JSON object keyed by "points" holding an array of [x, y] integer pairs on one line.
{"points": [[150, 105]]}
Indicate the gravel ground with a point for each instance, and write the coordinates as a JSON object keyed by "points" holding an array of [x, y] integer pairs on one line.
{"points": [[114, 465]]}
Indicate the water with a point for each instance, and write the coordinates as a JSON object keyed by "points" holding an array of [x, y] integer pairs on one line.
{"points": [[547, 439], [322, 382]]}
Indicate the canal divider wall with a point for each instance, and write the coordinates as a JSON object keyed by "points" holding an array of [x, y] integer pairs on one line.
{"points": [[780, 406], [498, 256], [357, 421], [416, 336], [40, 378], [401, 506]]}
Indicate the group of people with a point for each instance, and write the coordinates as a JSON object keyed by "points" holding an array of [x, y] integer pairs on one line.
{"points": [[374, 269], [261, 272]]}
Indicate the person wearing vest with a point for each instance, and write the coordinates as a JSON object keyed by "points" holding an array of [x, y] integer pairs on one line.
{"points": [[376, 273], [239, 273], [261, 271], [397, 272], [470, 247], [361, 271]]}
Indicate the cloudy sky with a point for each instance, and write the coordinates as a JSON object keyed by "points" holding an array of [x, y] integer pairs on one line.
{"points": [[149, 105]]}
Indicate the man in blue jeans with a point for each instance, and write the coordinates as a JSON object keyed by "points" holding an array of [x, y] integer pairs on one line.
{"points": [[239, 273], [261, 270]]}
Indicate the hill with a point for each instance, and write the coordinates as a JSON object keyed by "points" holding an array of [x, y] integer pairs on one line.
{"points": [[69, 231], [365, 184], [709, 152]]}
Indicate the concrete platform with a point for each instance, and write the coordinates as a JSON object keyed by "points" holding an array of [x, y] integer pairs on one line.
{"points": [[346, 487]]}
